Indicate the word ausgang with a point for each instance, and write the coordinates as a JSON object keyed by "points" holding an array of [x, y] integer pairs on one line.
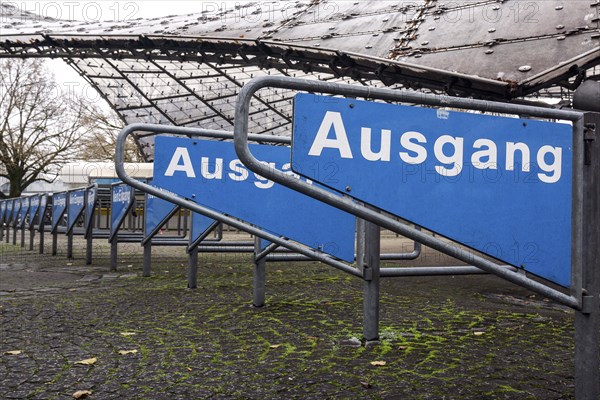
{"points": [[449, 151]]}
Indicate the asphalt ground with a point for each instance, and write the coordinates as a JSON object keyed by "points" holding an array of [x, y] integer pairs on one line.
{"points": [[67, 329]]}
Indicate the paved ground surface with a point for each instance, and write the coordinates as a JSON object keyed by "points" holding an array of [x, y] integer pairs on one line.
{"points": [[66, 327]]}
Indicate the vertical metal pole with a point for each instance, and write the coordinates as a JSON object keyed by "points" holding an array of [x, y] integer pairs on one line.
{"points": [[15, 230], [7, 232], [147, 265], [587, 320], [193, 268], [55, 242], [368, 252], [31, 236], [88, 247], [70, 244], [23, 234], [258, 296], [42, 232], [113, 254]]}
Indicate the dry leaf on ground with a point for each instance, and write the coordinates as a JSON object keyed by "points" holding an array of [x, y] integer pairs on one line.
{"points": [[87, 361], [81, 394], [128, 333], [125, 352], [274, 346], [378, 363], [13, 352]]}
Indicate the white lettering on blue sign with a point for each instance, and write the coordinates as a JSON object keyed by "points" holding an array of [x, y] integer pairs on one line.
{"points": [[76, 200], [448, 150], [213, 169], [121, 196], [60, 202]]}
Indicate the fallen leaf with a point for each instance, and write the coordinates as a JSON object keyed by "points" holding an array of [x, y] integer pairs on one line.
{"points": [[81, 394], [402, 347], [478, 333], [13, 352], [130, 266], [69, 264], [378, 363], [125, 352], [128, 333], [189, 369], [87, 361], [366, 385], [274, 346]]}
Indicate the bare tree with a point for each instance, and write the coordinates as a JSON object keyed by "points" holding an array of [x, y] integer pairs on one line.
{"points": [[40, 125], [100, 143]]}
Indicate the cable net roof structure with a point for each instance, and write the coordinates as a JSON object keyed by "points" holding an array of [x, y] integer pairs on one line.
{"points": [[187, 70]]}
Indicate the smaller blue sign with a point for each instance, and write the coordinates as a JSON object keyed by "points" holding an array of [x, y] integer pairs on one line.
{"points": [[8, 211], [121, 202], [200, 224], [24, 209], [2, 210], [90, 205], [15, 211], [75, 208], [59, 205], [34, 206], [157, 211], [42, 212]]}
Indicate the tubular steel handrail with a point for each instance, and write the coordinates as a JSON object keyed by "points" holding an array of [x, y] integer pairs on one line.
{"points": [[351, 206], [158, 129]]}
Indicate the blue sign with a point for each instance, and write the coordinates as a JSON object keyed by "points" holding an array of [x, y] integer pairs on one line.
{"points": [[496, 184], [8, 212], [76, 207], [157, 211], [24, 209], [34, 206], [90, 206], [209, 173], [2, 210], [121, 202], [15, 211], [200, 224], [59, 205], [42, 213]]}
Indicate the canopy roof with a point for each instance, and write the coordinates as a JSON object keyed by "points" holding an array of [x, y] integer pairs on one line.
{"points": [[187, 70]]}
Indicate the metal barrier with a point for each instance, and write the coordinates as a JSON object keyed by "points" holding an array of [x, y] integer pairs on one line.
{"points": [[584, 291]]}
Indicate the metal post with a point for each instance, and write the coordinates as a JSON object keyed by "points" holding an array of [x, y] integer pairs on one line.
{"points": [[70, 244], [147, 265], [55, 242], [42, 232], [367, 256], [587, 320], [15, 230], [193, 268], [113, 254], [258, 297], [88, 248], [31, 236], [23, 234]]}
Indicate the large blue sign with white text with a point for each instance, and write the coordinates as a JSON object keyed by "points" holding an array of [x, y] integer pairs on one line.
{"points": [[76, 206], [59, 205], [121, 202], [496, 184], [209, 173]]}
